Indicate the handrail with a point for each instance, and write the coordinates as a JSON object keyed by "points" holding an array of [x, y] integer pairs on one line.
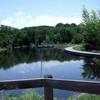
{"points": [[21, 84], [49, 84], [74, 85]]}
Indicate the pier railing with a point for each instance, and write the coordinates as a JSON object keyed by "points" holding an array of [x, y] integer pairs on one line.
{"points": [[49, 84]]}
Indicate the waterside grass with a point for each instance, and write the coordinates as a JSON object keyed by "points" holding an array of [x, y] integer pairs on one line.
{"points": [[64, 45], [2, 49], [25, 96], [79, 47], [84, 96]]}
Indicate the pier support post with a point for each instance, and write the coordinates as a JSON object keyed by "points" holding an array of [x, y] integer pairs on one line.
{"points": [[48, 92]]}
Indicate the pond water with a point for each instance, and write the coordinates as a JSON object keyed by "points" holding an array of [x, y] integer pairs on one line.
{"points": [[35, 63]]}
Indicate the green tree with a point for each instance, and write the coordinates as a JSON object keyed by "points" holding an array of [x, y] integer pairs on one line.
{"points": [[91, 29]]}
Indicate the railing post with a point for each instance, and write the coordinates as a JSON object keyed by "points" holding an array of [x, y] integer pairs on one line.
{"points": [[48, 92]]}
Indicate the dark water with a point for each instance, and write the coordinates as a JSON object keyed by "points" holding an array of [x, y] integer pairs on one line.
{"points": [[35, 63]]}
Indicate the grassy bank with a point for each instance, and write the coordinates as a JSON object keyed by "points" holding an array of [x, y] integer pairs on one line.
{"points": [[35, 96], [2, 49], [25, 96], [58, 46], [64, 45], [80, 47], [84, 96]]}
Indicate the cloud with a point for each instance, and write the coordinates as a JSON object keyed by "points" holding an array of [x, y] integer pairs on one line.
{"points": [[53, 20], [21, 19]]}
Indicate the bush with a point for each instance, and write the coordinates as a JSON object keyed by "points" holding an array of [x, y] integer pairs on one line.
{"points": [[25, 96]]}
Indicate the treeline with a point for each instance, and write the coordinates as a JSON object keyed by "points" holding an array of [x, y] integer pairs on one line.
{"points": [[61, 33], [29, 55], [87, 32]]}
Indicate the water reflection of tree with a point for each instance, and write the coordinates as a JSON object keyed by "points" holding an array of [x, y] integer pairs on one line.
{"points": [[91, 68], [10, 58]]}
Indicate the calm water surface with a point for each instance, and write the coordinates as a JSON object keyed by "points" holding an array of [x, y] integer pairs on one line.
{"points": [[35, 63]]}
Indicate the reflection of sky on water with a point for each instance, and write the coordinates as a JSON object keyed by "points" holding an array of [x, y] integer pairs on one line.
{"points": [[69, 70], [66, 69], [21, 71]]}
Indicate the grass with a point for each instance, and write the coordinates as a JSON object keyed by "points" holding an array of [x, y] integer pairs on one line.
{"points": [[34, 96], [79, 47], [25, 96], [84, 96], [58, 46], [32, 45], [64, 45], [2, 49]]}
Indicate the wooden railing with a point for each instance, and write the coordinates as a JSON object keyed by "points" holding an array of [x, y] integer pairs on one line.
{"points": [[49, 84]]}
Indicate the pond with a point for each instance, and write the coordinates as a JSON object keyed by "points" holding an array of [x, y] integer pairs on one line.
{"points": [[35, 63]]}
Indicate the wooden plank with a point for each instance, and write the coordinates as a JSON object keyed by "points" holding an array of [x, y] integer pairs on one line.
{"points": [[74, 85], [71, 85], [21, 84]]}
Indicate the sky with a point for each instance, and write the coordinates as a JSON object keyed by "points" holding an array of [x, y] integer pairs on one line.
{"points": [[25, 13]]}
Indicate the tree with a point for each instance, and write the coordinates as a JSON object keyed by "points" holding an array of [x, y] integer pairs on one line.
{"points": [[91, 29]]}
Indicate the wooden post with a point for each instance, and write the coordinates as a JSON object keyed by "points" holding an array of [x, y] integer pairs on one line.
{"points": [[48, 92]]}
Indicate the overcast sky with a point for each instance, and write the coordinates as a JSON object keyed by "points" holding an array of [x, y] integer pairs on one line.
{"points": [[23, 13]]}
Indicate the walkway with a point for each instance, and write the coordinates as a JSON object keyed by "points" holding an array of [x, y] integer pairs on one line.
{"points": [[72, 51]]}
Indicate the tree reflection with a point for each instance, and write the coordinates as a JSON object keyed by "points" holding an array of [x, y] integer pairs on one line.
{"points": [[91, 68], [28, 55]]}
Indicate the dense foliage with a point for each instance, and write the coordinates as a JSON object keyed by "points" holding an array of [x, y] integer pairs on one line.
{"points": [[91, 29], [62, 33], [87, 32]]}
